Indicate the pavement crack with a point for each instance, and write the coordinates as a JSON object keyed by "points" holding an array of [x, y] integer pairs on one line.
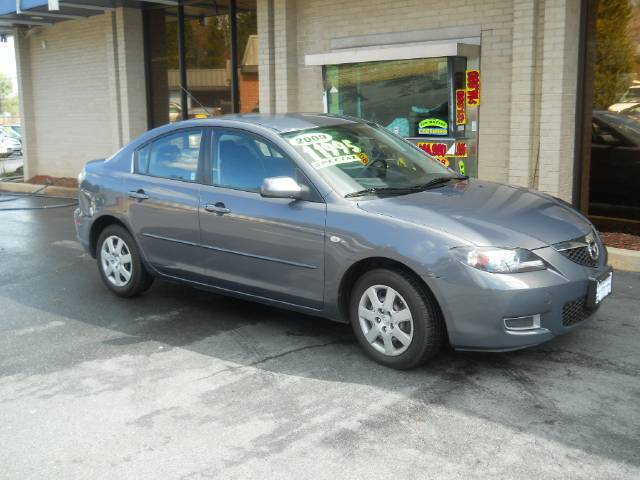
{"points": [[295, 350], [272, 357]]}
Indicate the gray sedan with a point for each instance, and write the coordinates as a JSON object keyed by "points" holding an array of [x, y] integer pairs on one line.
{"points": [[339, 218]]}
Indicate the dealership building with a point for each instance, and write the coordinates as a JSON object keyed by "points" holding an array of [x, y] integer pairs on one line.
{"points": [[505, 90]]}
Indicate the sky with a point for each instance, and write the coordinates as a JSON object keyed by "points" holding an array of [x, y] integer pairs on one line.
{"points": [[8, 61]]}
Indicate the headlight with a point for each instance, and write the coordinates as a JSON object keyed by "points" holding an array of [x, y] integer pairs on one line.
{"points": [[499, 260]]}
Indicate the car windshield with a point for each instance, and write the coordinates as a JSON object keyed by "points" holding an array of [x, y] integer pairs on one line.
{"points": [[356, 157], [12, 132]]}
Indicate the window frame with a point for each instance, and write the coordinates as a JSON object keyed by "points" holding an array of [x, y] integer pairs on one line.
{"points": [[212, 156], [204, 142]]}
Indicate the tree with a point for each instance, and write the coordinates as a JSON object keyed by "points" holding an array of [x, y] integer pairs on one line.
{"points": [[6, 90], [614, 52]]}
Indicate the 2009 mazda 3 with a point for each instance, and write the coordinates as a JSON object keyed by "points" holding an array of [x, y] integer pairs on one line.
{"points": [[337, 217]]}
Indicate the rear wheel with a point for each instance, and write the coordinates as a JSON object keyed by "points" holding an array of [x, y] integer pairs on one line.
{"points": [[119, 262], [395, 320]]}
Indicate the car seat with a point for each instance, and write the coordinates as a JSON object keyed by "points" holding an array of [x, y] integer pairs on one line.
{"points": [[239, 167]]}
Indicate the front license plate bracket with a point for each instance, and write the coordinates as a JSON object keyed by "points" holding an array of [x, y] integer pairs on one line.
{"points": [[600, 288]]}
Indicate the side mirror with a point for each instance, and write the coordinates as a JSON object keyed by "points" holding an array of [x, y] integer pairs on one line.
{"points": [[283, 187]]}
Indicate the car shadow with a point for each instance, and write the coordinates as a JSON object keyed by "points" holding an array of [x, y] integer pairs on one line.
{"points": [[573, 391]]}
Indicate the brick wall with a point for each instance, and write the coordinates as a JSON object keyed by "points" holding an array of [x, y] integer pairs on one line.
{"points": [[249, 91], [528, 57], [83, 90]]}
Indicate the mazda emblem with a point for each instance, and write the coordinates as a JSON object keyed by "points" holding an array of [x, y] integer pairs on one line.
{"points": [[594, 250]]}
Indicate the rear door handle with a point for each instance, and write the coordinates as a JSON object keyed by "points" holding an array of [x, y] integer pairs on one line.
{"points": [[218, 207], [138, 194]]}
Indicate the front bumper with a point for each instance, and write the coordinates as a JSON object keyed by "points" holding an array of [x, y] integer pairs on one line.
{"points": [[475, 303]]}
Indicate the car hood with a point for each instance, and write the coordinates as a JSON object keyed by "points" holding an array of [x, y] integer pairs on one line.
{"points": [[486, 213]]}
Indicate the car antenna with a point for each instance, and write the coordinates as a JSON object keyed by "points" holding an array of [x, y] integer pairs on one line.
{"points": [[196, 100]]}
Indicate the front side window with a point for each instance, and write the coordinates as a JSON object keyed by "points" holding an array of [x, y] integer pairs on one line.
{"points": [[357, 156], [173, 156], [242, 162]]}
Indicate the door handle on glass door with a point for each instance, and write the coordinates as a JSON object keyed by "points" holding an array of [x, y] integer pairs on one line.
{"points": [[216, 208], [138, 194]]}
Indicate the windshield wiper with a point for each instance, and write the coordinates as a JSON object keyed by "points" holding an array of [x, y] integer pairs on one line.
{"points": [[404, 190], [439, 181], [381, 190]]}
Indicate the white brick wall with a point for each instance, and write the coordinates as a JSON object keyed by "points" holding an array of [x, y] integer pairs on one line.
{"points": [[74, 108], [528, 62]]}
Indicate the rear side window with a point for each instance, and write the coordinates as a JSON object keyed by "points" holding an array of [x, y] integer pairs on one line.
{"points": [[173, 156]]}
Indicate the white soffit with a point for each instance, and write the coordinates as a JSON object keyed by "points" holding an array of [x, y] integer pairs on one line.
{"points": [[430, 49]]}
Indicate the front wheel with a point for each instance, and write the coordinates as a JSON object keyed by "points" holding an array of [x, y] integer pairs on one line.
{"points": [[395, 320], [119, 262]]}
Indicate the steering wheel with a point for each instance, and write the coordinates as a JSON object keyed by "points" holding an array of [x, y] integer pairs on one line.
{"points": [[369, 165]]}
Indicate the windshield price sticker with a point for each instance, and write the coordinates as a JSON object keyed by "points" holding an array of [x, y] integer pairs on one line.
{"points": [[310, 138], [329, 162], [331, 152], [364, 158]]}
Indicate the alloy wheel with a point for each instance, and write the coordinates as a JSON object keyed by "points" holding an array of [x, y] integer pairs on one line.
{"points": [[386, 320], [115, 257]]}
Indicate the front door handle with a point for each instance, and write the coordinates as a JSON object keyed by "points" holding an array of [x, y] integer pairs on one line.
{"points": [[217, 207], [138, 194]]}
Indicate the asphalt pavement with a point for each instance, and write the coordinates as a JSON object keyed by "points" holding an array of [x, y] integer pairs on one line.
{"points": [[185, 384]]}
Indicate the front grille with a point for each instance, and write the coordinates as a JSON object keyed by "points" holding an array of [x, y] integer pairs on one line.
{"points": [[580, 250], [575, 311], [581, 256]]}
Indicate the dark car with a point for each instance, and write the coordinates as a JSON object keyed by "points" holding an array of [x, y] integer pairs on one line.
{"points": [[337, 217], [615, 165]]}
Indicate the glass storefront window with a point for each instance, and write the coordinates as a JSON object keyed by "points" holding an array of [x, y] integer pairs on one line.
{"points": [[207, 42], [248, 54], [207, 60], [615, 117], [409, 97], [162, 56]]}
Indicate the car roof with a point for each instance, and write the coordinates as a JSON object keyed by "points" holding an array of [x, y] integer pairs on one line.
{"points": [[289, 122]]}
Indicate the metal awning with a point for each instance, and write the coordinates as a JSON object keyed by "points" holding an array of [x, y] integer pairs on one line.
{"points": [[42, 13]]}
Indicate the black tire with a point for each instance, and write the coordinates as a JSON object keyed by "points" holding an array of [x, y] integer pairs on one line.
{"points": [[428, 325], [139, 281]]}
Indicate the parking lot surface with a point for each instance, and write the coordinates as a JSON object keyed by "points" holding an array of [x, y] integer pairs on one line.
{"points": [[185, 384]]}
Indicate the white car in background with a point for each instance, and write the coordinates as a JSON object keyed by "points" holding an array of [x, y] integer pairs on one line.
{"points": [[630, 99], [9, 145]]}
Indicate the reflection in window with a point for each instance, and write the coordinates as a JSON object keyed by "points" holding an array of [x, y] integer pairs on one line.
{"points": [[173, 156], [243, 162], [615, 139], [403, 95], [248, 54], [208, 61]]}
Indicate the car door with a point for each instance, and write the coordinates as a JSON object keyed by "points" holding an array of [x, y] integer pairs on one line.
{"points": [[163, 194], [268, 247]]}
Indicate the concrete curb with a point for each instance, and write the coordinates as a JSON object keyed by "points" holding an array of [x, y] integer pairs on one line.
{"points": [[30, 188], [622, 259]]}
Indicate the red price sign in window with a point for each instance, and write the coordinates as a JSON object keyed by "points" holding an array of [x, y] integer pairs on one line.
{"points": [[461, 107], [437, 150], [473, 88]]}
